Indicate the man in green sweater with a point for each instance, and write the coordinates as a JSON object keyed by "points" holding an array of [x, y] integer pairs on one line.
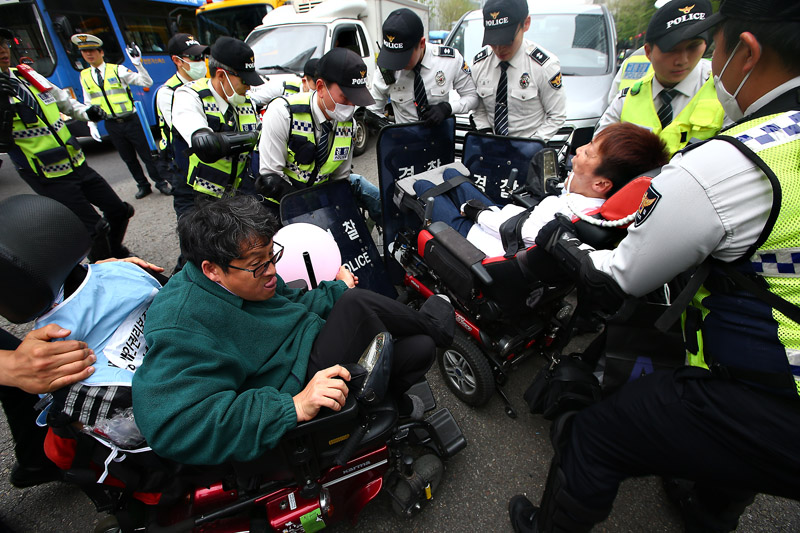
{"points": [[236, 358]]}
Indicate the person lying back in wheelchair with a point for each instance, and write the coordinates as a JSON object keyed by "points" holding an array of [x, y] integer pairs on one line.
{"points": [[599, 169], [237, 358]]}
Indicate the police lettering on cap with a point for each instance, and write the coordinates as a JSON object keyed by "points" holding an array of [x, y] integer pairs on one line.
{"points": [[86, 41], [402, 32], [501, 18], [753, 11], [183, 44], [346, 69], [237, 56], [678, 21]]}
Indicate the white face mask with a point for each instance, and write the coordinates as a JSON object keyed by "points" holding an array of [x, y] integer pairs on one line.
{"points": [[235, 98], [340, 112], [728, 100], [197, 69]]}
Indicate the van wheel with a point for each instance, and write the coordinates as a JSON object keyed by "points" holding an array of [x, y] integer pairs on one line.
{"points": [[360, 134], [466, 370]]}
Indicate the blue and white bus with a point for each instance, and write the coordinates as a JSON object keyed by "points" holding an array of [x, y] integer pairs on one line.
{"points": [[42, 31]]}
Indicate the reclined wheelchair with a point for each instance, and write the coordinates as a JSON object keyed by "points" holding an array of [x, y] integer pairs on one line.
{"points": [[323, 471], [508, 308]]}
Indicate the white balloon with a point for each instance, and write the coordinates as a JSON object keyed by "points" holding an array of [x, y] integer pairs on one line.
{"points": [[321, 247]]}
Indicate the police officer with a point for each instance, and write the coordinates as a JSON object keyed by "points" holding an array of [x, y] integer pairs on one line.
{"points": [[50, 159], [729, 206], [676, 98], [107, 85], [188, 56], [417, 77], [217, 119], [307, 137], [519, 82]]}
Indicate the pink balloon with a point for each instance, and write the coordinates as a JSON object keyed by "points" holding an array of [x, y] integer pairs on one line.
{"points": [[321, 247]]}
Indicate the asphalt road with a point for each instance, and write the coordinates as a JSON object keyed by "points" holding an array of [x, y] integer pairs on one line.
{"points": [[504, 456]]}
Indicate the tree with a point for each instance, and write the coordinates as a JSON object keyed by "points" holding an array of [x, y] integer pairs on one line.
{"points": [[443, 13]]}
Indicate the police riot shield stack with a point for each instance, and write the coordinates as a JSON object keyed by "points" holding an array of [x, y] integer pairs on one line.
{"points": [[491, 158], [331, 207], [405, 150]]}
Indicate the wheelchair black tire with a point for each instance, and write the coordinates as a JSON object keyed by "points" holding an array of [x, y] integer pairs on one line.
{"points": [[466, 370]]}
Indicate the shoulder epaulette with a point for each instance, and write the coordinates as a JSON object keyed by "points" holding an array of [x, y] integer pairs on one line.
{"points": [[480, 56], [446, 51], [539, 56]]}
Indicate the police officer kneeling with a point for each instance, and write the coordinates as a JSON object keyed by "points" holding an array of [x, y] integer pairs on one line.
{"points": [[727, 207]]}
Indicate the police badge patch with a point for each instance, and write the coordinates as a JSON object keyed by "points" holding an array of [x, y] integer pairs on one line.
{"points": [[440, 78], [648, 205], [525, 80], [555, 81], [465, 67]]}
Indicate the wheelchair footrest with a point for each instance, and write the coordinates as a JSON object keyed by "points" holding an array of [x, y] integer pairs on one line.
{"points": [[423, 391], [447, 430]]}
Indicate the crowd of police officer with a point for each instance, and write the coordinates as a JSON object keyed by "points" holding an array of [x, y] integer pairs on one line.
{"points": [[724, 209]]}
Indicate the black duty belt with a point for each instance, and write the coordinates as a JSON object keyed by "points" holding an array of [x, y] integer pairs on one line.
{"points": [[120, 120]]}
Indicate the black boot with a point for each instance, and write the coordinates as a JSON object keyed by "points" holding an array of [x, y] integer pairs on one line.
{"points": [[101, 248], [118, 227], [706, 508], [142, 192]]}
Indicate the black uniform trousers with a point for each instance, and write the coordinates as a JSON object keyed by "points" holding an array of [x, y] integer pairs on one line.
{"points": [[128, 138], [79, 191], [354, 321], [687, 424], [21, 415]]}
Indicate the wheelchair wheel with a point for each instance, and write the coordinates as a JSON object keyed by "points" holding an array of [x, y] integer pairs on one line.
{"points": [[466, 370]]}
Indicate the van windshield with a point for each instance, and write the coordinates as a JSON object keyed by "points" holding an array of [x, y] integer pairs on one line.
{"points": [[286, 48], [580, 41]]}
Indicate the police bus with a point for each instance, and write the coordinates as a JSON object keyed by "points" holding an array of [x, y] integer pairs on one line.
{"points": [[42, 31]]}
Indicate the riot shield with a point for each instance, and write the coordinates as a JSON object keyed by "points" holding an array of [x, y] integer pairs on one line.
{"points": [[405, 150], [331, 207], [490, 159]]}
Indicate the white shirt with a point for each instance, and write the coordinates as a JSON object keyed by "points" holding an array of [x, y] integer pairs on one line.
{"points": [[485, 234], [127, 77], [263, 94], [443, 69], [66, 104], [536, 103], [713, 202], [165, 97], [686, 90], [274, 141], [187, 111]]}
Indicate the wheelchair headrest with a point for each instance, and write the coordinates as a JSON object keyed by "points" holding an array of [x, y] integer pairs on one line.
{"points": [[41, 242], [626, 200]]}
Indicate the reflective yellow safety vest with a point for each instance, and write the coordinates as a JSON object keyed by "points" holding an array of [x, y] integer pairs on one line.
{"points": [[117, 99], [166, 133], [701, 118], [739, 330], [44, 139], [224, 175], [633, 69]]}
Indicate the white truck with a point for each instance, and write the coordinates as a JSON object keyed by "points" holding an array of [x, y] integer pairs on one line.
{"points": [[292, 34]]}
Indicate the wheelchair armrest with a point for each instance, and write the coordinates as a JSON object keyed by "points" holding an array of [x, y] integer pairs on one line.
{"points": [[598, 237], [327, 418], [463, 250]]}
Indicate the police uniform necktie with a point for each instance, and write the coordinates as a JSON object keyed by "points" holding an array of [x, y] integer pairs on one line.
{"points": [[501, 102], [322, 144], [26, 97], [420, 97], [665, 111], [101, 83], [230, 117]]}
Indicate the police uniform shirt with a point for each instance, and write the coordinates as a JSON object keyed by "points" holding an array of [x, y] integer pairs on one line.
{"points": [[443, 69], [66, 104], [165, 100], [263, 94], [274, 141], [127, 77], [187, 111], [710, 201], [536, 102], [614, 90], [686, 91]]}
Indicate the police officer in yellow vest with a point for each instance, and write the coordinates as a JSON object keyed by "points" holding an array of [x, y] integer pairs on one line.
{"points": [[730, 203], [218, 120], [107, 85], [50, 159], [188, 56], [676, 98], [633, 69], [291, 152]]}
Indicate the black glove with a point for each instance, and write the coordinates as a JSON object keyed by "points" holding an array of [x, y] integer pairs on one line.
{"points": [[551, 232], [210, 146], [95, 113], [473, 208], [435, 114], [272, 186], [305, 151], [7, 86]]}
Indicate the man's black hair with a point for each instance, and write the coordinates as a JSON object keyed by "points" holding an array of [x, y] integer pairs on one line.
{"points": [[220, 230], [783, 38]]}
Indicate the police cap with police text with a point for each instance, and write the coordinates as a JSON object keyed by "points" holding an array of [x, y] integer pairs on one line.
{"points": [[677, 21], [183, 44], [402, 32], [345, 68], [239, 57], [501, 19], [754, 11], [87, 41]]}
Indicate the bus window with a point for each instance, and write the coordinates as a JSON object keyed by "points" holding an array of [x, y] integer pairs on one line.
{"points": [[85, 16], [237, 21], [147, 23], [25, 23]]}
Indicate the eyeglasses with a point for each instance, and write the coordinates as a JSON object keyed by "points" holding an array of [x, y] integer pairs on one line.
{"points": [[260, 269], [194, 58]]}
